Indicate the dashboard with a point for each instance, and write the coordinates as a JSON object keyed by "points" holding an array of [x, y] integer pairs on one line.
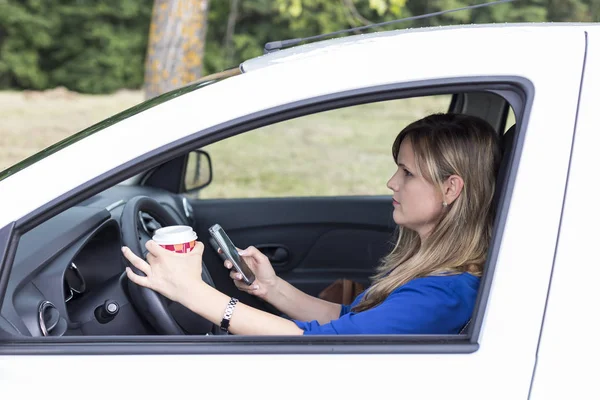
{"points": [[68, 273]]}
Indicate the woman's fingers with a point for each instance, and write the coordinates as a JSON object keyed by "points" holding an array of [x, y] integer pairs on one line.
{"points": [[137, 279], [135, 260], [154, 248], [228, 264], [250, 251], [237, 281], [198, 248], [240, 284], [254, 253], [150, 258]]}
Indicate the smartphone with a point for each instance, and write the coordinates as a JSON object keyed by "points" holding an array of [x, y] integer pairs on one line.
{"points": [[230, 252]]}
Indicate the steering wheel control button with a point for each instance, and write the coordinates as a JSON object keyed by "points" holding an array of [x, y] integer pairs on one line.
{"points": [[107, 311]]}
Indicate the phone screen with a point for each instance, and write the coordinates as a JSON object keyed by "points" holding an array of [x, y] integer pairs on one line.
{"points": [[230, 251]]}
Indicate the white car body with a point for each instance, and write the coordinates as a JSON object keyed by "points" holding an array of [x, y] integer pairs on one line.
{"points": [[537, 339]]}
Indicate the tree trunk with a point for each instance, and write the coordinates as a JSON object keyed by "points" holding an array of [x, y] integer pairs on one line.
{"points": [[175, 45]]}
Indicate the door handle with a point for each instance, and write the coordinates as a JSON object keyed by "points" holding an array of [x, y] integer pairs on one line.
{"points": [[277, 254]]}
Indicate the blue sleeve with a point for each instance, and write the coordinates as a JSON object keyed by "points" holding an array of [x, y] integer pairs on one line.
{"points": [[345, 309], [419, 307]]}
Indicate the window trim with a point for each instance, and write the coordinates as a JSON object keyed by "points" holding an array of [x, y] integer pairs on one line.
{"points": [[521, 98]]}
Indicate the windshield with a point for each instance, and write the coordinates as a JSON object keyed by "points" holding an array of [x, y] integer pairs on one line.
{"points": [[205, 81]]}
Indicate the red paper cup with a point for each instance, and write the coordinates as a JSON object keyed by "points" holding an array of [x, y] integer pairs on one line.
{"points": [[177, 238]]}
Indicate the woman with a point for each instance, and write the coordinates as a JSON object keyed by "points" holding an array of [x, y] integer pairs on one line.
{"points": [[442, 196]]}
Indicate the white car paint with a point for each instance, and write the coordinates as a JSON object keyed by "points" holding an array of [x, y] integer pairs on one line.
{"points": [[503, 366], [569, 346]]}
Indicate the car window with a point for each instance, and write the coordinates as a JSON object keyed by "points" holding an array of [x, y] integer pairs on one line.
{"points": [[330, 153], [334, 153], [199, 84]]}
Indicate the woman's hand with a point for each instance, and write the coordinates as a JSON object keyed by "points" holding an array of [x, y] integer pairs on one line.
{"points": [[266, 279], [171, 274]]}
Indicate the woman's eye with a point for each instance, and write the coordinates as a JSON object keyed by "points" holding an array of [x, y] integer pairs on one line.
{"points": [[407, 172]]}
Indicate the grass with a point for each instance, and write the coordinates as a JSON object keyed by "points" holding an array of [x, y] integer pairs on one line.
{"points": [[339, 152], [32, 121]]}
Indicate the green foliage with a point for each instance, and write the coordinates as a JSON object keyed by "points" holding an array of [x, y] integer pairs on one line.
{"points": [[517, 11], [25, 29], [262, 21], [103, 46], [85, 45], [99, 46]]}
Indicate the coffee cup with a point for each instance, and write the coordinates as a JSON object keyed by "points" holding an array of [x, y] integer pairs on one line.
{"points": [[177, 238]]}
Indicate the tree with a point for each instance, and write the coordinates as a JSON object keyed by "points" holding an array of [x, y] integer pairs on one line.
{"points": [[238, 30], [101, 47], [25, 30], [93, 46], [84, 45], [175, 45]]}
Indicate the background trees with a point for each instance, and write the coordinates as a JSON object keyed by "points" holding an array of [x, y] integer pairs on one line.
{"points": [[92, 47]]}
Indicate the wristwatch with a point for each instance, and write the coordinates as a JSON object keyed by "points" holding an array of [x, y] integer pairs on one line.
{"points": [[228, 313]]}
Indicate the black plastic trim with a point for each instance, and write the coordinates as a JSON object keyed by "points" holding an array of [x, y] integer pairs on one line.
{"points": [[160, 177], [368, 344], [8, 249], [456, 102], [398, 344]]}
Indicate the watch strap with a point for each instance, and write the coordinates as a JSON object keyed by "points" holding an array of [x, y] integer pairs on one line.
{"points": [[228, 313]]}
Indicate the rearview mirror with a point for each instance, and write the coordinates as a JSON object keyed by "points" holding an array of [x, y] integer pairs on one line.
{"points": [[198, 171]]}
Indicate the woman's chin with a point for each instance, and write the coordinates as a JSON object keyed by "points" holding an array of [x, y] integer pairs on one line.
{"points": [[397, 215]]}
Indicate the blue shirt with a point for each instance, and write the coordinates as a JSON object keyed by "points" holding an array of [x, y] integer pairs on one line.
{"points": [[429, 305]]}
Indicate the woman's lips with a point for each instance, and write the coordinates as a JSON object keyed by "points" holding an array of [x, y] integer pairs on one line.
{"points": [[395, 202]]}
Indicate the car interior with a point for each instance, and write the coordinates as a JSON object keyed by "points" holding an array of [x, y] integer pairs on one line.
{"points": [[68, 275]]}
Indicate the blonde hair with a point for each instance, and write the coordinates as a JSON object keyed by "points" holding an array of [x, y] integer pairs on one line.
{"points": [[445, 145]]}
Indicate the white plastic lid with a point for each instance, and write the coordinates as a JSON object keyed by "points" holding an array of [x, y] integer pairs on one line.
{"points": [[176, 234]]}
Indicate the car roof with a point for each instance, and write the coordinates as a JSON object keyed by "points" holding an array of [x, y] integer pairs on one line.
{"points": [[360, 40]]}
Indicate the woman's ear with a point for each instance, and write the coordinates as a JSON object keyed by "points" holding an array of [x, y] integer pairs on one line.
{"points": [[452, 188]]}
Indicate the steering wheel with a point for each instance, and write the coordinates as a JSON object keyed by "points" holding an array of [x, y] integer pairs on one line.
{"points": [[154, 307]]}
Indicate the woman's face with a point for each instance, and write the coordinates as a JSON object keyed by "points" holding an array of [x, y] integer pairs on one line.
{"points": [[417, 203]]}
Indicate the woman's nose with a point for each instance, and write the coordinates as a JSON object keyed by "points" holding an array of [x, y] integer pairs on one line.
{"points": [[392, 184]]}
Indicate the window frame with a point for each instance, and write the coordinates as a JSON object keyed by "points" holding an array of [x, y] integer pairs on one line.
{"points": [[519, 92]]}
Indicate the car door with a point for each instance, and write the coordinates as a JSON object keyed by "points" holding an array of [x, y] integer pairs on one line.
{"points": [[564, 371], [503, 339]]}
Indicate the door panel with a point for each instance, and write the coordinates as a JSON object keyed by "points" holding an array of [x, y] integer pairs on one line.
{"points": [[318, 239], [563, 371]]}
